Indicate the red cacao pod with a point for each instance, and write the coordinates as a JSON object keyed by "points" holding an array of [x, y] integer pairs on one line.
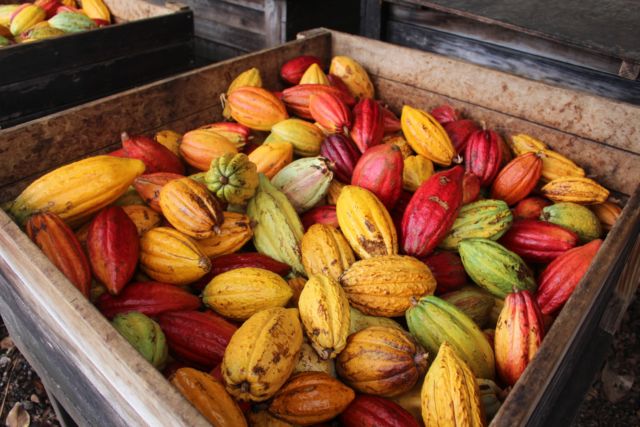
{"points": [[390, 122], [538, 241], [64, 8], [339, 84], [483, 155], [101, 22], [558, 281], [530, 208], [445, 114], [374, 411], [470, 188], [120, 152], [292, 70], [61, 246], [367, 128], [398, 211], [114, 247], [379, 170], [459, 132], [320, 215], [297, 98], [196, 337], [149, 186], [518, 334], [431, 212], [330, 112], [343, 154], [150, 298], [517, 179], [448, 271], [155, 156], [49, 6]]}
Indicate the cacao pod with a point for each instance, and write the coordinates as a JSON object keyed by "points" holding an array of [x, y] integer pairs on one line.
{"points": [[367, 128], [353, 75], [156, 157], [416, 170], [143, 217], [342, 153], [297, 98], [470, 188], [234, 232], [521, 144], [304, 182], [201, 146], [330, 112], [314, 75], [271, 157], [293, 70], [400, 142], [607, 213], [380, 170], [488, 219], [325, 215], [335, 189], [359, 321], [538, 241], [575, 189], [483, 155], [96, 9], [233, 178], [296, 283], [325, 251], [248, 259], [72, 22], [530, 208], [445, 114], [239, 135], [472, 301], [459, 132], [426, 136], [263, 418], [25, 17], [390, 122], [144, 335], [448, 271], [250, 77], [574, 217], [555, 165], [374, 411], [517, 179], [305, 137], [170, 139], [6, 10], [148, 187], [310, 361]]}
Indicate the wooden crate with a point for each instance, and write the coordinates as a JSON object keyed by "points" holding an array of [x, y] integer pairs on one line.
{"points": [[148, 42], [101, 380], [541, 40]]}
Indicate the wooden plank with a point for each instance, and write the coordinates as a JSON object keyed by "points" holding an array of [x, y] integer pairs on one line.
{"points": [[587, 116], [230, 36], [133, 10], [209, 51], [371, 19], [253, 4], [275, 17]]}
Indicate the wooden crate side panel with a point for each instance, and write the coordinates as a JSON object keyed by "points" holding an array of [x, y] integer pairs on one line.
{"points": [[132, 10], [587, 116], [123, 384]]}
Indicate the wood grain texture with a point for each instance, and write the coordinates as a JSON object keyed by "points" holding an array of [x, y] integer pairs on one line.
{"points": [[132, 10]]}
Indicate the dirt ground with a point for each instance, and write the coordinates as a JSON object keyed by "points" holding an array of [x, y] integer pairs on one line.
{"points": [[612, 401]]}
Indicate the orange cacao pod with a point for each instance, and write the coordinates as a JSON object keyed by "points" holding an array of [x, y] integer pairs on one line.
{"points": [[149, 186], [201, 146], [143, 217], [607, 213], [256, 108], [330, 112], [271, 157], [297, 98], [517, 179], [530, 208]]}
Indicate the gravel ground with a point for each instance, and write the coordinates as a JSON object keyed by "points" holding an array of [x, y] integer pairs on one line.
{"points": [[612, 401]]}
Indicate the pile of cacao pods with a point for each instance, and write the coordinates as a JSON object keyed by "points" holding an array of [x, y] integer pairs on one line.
{"points": [[45, 19], [374, 280]]}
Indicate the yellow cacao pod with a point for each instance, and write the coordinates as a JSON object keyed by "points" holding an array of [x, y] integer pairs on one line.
{"points": [[335, 188], [234, 232], [450, 394], [26, 18], [305, 137], [366, 223], [296, 283], [96, 9], [521, 144], [325, 251], [263, 418], [608, 213], [6, 10], [169, 139], [310, 361], [78, 190], [555, 165], [426, 136], [209, 397], [143, 217], [168, 256], [324, 310], [262, 353], [381, 361], [579, 190], [386, 285], [353, 75], [256, 108], [271, 157], [417, 169], [191, 208], [400, 142], [240, 293], [410, 401], [314, 75], [359, 321], [250, 77]]}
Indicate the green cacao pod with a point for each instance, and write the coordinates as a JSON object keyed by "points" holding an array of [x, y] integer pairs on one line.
{"points": [[434, 321], [472, 301], [233, 178], [488, 219], [305, 182], [305, 137], [71, 22], [495, 268], [577, 218], [144, 334], [278, 230]]}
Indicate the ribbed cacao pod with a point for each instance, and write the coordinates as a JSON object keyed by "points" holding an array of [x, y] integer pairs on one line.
{"points": [[293, 70], [191, 208], [209, 397], [271, 157], [201, 146], [197, 337], [262, 354], [248, 259], [608, 213], [400, 142], [335, 189], [521, 144], [374, 411], [483, 155], [488, 219], [170, 139], [156, 157], [518, 336], [263, 418], [305, 137], [239, 135], [426, 136], [367, 128], [61, 246], [366, 223], [343, 154], [434, 321], [256, 108], [113, 246], [314, 75], [296, 283], [495, 268], [233, 178], [240, 293], [353, 75], [250, 77], [278, 230], [324, 310], [96, 9], [72, 22], [390, 122], [50, 7], [530, 208], [580, 190], [472, 301], [144, 335], [325, 251], [517, 179], [310, 361], [445, 114], [148, 187], [297, 98], [143, 217], [450, 394], [330, 112], [234, 232], [325, 215], [382, 361], [149, 298], [305, 182], [167, 255], [309, 398], [416, 170], [379, 170], [25, 17], [385, 285], [555, 165], [459, 132], [576, 218], [448, 271], [562, 275], [538, 241], [470, 188], [359, 321], [431, 212]]}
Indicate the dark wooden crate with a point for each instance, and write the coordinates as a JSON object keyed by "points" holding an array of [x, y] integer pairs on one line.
{"points": [[85, 361], [583, 45]]}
